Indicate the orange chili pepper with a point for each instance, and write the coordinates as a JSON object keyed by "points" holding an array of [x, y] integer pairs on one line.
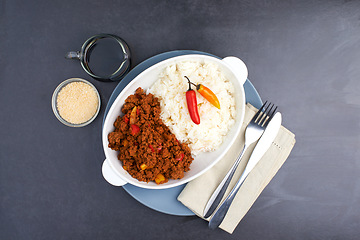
{"points": [[207, 94]]}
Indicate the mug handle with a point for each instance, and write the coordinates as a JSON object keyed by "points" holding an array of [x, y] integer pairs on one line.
{"points": [[110, 175], [73, 55], [238, 67]]}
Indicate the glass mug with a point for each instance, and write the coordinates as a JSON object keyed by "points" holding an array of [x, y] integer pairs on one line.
{"points": [[105, 57]]}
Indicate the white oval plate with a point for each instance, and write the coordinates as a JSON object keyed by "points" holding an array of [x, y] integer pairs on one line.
{"points": [[234, 70]]}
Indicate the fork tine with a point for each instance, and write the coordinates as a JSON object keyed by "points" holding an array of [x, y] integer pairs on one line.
{"points": [[258, 112], [265, 114], [271, 114]]}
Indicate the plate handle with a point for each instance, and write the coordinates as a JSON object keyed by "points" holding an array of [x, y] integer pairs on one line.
{"points": [[110, 175], [238, 67]]}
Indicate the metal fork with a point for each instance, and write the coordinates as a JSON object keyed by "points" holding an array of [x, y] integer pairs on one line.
{"points": [[253, 132]]}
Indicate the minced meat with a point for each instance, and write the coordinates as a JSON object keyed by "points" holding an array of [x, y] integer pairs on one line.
{"points": [[147, 148]]}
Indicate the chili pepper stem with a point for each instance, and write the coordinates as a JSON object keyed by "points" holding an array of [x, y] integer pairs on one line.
{"points": [[189, 82], [197, 86]]}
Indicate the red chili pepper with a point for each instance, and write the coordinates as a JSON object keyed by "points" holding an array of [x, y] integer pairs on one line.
{"points": [[207, 94], [192, 104], [134, 129]]}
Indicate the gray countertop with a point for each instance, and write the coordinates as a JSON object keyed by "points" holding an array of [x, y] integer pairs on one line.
{"points": [[302, 55]]}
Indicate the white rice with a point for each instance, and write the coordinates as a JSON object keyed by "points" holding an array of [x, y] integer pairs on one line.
{"points": [[214, 123]]}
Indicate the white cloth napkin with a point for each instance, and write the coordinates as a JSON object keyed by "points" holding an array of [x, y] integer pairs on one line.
{"points": [[197, 192]]}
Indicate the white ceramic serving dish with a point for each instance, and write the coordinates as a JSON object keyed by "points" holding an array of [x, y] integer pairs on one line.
{"points": [[233, 68]]}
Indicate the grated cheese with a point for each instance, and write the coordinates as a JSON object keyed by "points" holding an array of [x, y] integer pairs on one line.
{"points": [[77, 102]]}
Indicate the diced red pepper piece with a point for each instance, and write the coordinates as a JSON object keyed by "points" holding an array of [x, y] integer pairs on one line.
{"points": [[159, 149], [151, 147], [180, 157], [137, 111], [134, 129], [126, 119]]}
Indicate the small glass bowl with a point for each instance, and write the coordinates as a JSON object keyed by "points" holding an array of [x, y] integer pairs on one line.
{"points": [[54, 104]]}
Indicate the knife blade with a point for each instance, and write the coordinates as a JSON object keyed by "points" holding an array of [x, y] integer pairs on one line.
{"points": [[264, 142], [261, 147]]}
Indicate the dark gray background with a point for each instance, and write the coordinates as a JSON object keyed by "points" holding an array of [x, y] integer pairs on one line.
{"points": [[302, 55]]}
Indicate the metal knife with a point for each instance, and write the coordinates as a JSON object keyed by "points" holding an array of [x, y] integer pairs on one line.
{"points": [[261, 147]]}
